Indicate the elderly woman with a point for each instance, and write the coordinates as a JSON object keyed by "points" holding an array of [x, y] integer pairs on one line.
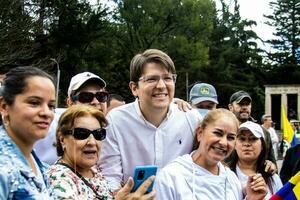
{"points": [[249, 157], [80, 130], [27, 105], [201, 175]]}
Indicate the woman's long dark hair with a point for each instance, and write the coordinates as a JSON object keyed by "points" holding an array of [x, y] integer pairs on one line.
{"points": [[232, 161]]}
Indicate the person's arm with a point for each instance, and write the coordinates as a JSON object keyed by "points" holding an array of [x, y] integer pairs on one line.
{"points": [[110, 159], [164, 186], [182, 105]]}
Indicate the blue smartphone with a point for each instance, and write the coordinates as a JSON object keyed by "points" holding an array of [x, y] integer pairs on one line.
{"points": [[142, 173]]}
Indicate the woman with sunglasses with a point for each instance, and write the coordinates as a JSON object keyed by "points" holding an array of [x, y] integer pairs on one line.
{"points": [[81, 128], [27, 105]]}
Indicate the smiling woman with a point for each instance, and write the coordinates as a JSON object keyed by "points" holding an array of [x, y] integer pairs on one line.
{"points": [[201, 175], [27, 107]]}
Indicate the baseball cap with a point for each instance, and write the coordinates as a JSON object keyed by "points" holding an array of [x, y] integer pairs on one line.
{"points": [[239, 96], [203, 92], [294, 121], [255, 128], [79, 79]]}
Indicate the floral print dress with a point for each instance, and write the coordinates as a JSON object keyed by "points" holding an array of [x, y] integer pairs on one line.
{"points": [[65, 184]]}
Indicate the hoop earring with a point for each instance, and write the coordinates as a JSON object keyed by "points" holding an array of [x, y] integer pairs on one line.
{"points": [[5, 120]]}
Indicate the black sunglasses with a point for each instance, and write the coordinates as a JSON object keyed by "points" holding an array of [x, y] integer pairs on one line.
{"points": [[83, 133], [87, 97]]}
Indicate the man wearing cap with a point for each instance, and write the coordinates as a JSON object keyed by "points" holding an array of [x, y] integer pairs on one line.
{"points": [[240, 105], [203, 96], [86, 88]]}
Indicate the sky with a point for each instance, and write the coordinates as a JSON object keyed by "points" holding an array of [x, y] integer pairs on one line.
{"points": [[254, 10]]}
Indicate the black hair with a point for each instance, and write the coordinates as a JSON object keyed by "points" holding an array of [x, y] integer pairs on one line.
{"points": [[5, 68], [114, 96], [232, 161], [15, 81]]}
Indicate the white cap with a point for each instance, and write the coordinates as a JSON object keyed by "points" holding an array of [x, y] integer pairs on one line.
{"points": [[79, 79], [255, 128]]}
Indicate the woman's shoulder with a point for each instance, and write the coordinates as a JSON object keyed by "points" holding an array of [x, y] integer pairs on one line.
{"points": [[64, 183], [58, 171]]}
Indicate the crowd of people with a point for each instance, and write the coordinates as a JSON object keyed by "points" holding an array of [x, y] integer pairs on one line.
{"points": [[89, 150]]}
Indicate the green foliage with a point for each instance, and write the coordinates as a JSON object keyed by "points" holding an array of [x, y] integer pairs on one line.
{"points": [[206, 44], [286, 20], [17, 32]]}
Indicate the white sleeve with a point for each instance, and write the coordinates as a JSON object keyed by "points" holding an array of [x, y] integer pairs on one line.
{"points": [[164, 187], [110, 159], [277, 184]]}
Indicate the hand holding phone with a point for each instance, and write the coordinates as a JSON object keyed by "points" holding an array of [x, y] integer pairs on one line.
{"points": [[141, 173]]}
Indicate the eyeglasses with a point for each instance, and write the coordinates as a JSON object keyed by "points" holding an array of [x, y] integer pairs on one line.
{"points": [[154, 79], [83, 133], [87, 97]]}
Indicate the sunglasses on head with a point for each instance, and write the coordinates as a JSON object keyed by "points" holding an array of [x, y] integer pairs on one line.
{"points": [[87, 97], [83, 133]]}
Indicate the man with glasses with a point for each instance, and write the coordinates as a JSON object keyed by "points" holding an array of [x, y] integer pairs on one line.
{"points": [[151, 130], [85, 88]]}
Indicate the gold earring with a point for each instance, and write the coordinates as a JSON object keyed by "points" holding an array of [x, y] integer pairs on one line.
{"points": [[5, 120]]}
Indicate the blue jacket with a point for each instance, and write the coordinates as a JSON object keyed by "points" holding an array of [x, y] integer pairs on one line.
{"points": [[17, 180]]}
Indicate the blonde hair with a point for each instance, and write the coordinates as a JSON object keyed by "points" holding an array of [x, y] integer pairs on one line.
{"points": [[211, 117]]}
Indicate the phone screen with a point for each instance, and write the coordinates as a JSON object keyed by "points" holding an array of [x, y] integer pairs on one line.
{"points": [[142, 173]]}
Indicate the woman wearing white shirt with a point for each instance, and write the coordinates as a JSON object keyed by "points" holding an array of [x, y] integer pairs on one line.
{"points": [[201, 175], [249, 157]]}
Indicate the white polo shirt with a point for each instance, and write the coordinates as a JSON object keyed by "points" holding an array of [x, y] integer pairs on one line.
{"points": [[132, 140]]}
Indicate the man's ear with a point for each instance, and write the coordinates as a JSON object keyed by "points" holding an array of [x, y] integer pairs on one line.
{"points": [[69, 102], [133, 87], [230, 107]]}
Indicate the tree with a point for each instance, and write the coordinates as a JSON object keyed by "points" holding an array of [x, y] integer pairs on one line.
{"points": [[286, 20], [234, 56], [17, 32]]}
